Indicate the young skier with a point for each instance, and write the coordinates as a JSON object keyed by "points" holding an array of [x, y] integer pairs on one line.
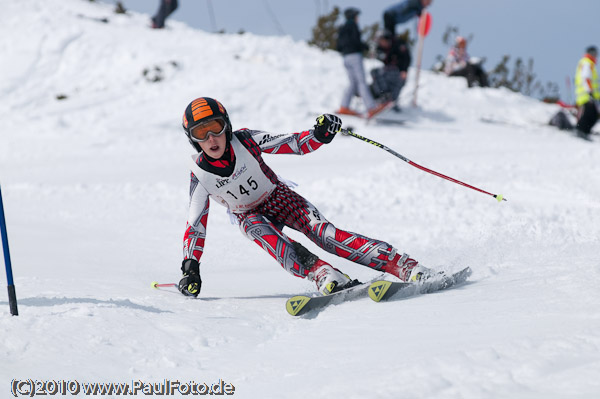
{"points": [[229, 168]]}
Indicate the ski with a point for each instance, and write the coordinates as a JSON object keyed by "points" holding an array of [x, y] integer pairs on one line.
{"points": [[104, 20], [303, 304], [384, 116], [379, 120], [384, 108], [384, 290], [384, 121]]}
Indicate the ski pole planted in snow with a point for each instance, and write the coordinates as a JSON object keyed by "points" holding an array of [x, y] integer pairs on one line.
{"points": [[348, 132], [12, 296]]}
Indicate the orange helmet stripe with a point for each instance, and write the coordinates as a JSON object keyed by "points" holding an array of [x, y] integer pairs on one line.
{"points": [[201, 109]]}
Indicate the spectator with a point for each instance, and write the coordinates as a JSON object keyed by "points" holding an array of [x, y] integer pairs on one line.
{"points": [[587, 93], [403, 12], [388, 80], [351, 46], [458, 63], [165, 9]]}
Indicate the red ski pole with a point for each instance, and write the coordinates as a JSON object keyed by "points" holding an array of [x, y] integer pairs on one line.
{"points": [[499, 197], [166, 285]]}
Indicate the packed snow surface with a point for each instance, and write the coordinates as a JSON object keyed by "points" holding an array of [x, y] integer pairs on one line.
{"points": [[95, 188]]}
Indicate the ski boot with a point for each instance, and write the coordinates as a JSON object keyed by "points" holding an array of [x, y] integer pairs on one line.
{"points": [[407, 269], [329, 279]]}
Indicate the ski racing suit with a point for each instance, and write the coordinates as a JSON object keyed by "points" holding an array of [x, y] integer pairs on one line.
{"points": [[263, 204]]}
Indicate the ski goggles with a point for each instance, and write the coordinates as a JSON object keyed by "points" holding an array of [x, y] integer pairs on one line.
{"points": [[213, 127]]}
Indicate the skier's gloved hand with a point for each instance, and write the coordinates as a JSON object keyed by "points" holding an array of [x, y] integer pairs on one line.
{"points": [[191, 283], [326, 128]]}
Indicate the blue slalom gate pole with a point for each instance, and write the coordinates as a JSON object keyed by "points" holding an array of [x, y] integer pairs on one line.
{"points": [[12, 296]]}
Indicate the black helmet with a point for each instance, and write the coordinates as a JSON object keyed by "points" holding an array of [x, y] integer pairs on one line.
{"points": [[201, 110], [351, 13], [385, 34], [592, 50]]}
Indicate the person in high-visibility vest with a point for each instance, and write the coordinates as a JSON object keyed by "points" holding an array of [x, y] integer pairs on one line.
{"points": [[587, 92]]}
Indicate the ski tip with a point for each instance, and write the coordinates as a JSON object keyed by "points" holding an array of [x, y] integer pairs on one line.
{"points": [[460, 276], [154, 284], [295, 304], [378, 289]]}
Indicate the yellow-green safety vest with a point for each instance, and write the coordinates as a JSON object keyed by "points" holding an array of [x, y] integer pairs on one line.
{"points": [[582, 95]]}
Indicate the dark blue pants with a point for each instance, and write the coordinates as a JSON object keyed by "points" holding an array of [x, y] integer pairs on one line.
{"points": [[588, 117], [166, 8]]}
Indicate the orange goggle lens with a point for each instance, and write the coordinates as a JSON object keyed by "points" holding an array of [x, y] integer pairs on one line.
{"points": [[200, 132]]}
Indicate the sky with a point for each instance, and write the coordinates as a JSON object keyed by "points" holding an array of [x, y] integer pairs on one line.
{"points": [[553, 33]]}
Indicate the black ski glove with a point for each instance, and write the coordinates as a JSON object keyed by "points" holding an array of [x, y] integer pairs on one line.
{"points": [[191, 282], [326, 128]]}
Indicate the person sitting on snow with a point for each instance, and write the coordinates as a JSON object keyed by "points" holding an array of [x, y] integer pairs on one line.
{"points": [[229, 169], [458, 63], [389, 79]]}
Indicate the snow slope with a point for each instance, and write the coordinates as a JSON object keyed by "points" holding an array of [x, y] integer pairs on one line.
{"points": [[96, 187]]}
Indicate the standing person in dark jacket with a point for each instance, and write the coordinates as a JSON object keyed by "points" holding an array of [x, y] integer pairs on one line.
{"points": [[165, 9], [403, 12], [388, 80], [351, 46]]}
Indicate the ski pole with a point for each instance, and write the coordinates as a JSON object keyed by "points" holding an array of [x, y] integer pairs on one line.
{"points": [[157, 285], [348, 132], [12, 296]]}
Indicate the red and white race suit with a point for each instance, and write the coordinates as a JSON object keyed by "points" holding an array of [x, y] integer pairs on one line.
{"points": [[263, 205]]}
